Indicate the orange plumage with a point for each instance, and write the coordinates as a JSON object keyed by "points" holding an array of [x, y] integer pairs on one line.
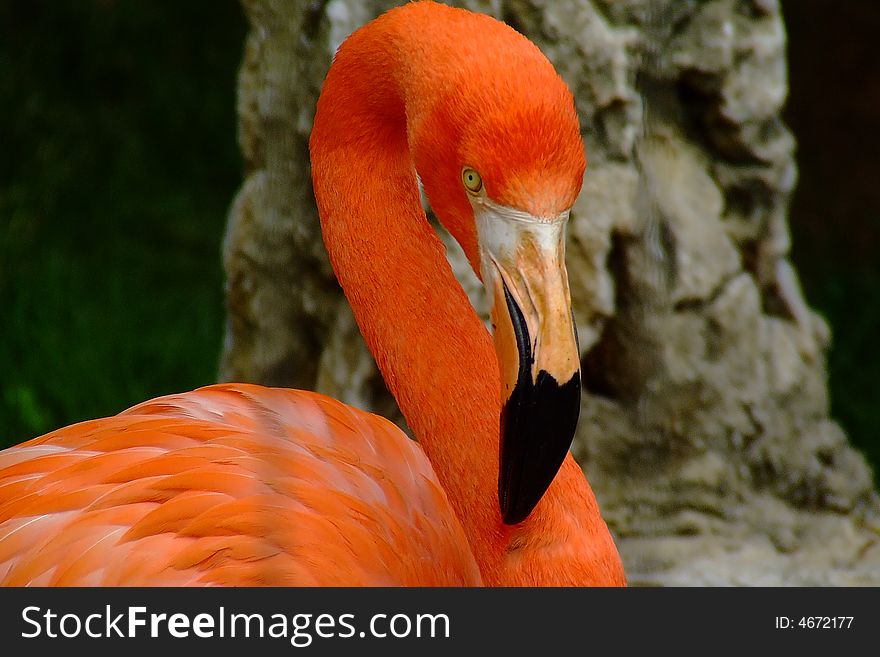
{"points": [[228, 485], [244, 485]]}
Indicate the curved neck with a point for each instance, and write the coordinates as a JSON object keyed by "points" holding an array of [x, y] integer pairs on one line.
{"points": [[434, 353], [432, 349]]}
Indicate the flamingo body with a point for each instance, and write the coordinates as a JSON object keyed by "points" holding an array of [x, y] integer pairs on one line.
{"points": [[228, 485]]}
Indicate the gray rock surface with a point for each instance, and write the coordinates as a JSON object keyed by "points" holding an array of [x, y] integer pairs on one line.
{"points": [[705, 430]]}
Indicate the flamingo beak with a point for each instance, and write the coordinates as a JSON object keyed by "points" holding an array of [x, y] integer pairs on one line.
{"points": [[523, 270]]}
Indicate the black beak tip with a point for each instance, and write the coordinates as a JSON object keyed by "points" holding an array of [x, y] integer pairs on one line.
{"points": [[537, 426], [515, 515]]}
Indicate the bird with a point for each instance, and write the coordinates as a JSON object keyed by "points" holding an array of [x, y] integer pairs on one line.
{"points": [[236, 484]]}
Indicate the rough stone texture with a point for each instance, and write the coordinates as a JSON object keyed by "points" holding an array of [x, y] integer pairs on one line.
{"points": [[705, 428]]}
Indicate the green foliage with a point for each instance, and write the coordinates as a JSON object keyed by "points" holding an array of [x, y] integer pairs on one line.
{"points": [[835, 216], [118, 163], [847, 293]]}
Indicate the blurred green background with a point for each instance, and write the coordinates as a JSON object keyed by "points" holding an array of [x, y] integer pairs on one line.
{"points": [[834, 111], [118, 161]]}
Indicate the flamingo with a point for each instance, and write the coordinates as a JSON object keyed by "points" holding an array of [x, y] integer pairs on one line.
{"points": [[237, 484]]}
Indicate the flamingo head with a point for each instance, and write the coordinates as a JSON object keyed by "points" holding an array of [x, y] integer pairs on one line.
{"points": [[504, 161]]}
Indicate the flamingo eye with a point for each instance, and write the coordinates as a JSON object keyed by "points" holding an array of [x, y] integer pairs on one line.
{"points": [[471, 179]]}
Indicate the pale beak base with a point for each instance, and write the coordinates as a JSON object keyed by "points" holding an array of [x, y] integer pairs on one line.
{"points": [[523, 269]]}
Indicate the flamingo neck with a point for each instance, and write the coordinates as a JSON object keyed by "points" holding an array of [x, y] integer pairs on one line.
{"points": [[434, 353]]}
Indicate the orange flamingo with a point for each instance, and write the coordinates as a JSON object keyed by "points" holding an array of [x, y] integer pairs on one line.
{"points": [[243, 485]]}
